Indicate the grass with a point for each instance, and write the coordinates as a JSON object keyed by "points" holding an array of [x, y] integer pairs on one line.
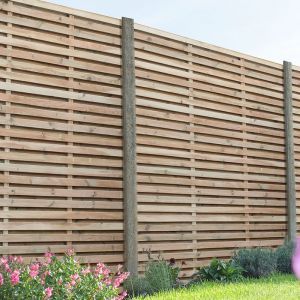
{"points": [[275, 287]]}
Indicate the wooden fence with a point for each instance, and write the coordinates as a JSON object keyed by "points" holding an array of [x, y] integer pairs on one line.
{"points": [[119, 140]]}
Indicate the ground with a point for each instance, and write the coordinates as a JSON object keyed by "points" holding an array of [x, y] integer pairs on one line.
{"points": [[276, 287]]}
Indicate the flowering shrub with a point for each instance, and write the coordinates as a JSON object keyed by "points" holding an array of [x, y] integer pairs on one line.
{"points": [[54, 278]]}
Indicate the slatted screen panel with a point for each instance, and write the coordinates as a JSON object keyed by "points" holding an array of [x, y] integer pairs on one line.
{"points": [[210, 141], [296, 123], [61, 132], [210, 150], [265, 154]]}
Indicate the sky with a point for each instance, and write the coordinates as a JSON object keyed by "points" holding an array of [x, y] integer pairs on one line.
{"points": [[268, 29]]}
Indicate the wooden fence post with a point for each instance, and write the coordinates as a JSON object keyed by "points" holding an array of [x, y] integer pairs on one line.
{"points": [[289, 151], [129, 148]]}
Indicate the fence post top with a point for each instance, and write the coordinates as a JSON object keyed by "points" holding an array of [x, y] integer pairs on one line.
{"points": [[127, 19]]}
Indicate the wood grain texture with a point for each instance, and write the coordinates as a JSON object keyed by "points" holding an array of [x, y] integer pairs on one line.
{"points": [[210, 150], [121, 141], [289, 151], [129, 148], [61, 152]]}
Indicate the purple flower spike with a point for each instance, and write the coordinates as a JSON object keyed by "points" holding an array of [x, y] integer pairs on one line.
{"points": [[296, 259]]}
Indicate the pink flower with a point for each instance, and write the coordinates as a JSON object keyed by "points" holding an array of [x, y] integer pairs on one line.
{"points": [[70, 252], [14, 277], [48, 292], [48, 258], [3, 260], [117, 282], [34, 270], [73, 282], [85, 271], [100, 265], [33, 274], [20, 259], [48, 254], [34, 267], [13, 259], [7, 268], [1, 279], [74, 278], [107, 281], [101, 269]]}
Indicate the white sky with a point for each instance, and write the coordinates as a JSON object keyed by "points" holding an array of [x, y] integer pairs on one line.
{"points": [[268, 29]]}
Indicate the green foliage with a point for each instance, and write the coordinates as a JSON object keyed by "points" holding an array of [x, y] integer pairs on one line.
{"points": [[219, 270], [137, 286], [284, 255], [57, 278], [256, 262], [161, 275]]}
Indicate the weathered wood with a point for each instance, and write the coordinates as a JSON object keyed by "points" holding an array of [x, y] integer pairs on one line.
{"points": [[129, 147], [289, 152]]}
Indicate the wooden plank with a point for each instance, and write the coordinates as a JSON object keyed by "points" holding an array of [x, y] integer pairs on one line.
{"points": [[209, 227], [37, 30], [61, 159], [34, 46], [62, 226], [51, 92], [78, 204], [57, 180], [62, 148], [59, 17], [289, 152], [42, 102], [61, 170], [174, 37], [33, 249], [68, 10], [58, 237], [129, 147], [43, 68], [44, 192]]}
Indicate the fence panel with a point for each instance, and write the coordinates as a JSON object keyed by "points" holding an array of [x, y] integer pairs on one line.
{"points": [[210, 141], [210, 148], [61, 129]]}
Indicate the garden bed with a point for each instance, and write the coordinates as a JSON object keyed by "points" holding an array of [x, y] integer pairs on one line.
{"points": [[274, 287]]}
